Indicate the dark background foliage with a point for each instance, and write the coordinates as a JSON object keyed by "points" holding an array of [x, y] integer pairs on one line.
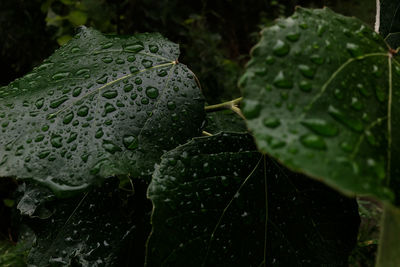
{"points": [[215, 39]]}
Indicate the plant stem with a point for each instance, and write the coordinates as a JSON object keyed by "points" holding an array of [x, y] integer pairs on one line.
{"points": [[225, 105], [389, 249]]}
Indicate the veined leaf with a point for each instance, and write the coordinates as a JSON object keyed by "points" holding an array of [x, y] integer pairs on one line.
{"points": [[321, 96], [99, 106], [210, 209], [103, 227]]}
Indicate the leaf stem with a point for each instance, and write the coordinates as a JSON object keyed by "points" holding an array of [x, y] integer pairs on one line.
{"points": [[232, 105]]}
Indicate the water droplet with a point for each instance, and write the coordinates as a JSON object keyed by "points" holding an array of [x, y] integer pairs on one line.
{"points": [[77, 91], [99, 133], [271, 122], [364, 91], [313, 141], [346, 147], [120, 61], [131, 58], [57, 102], [282, 82], [171, 105], [109, 108], [111, 147], [56, 141], [353, 49], [106, 45], [321, 127], [83, 71], [147, 63], [72, 137], [356, 104], [281, 48], [107, 59], [251, 108], [103, 79], [68, 118], [305, 86], [82, 111], [270, 60], [43, 154], [276, 143], [133, 69], [136, 47], [39, 138], [352, 123], [317, 59], [294, 36], [138, 80], [39, 103], [128, 87], [371, 138], [109, 94], [338, 94], [144, 101], [130, 142], [162, 73], [152, 92], [60, 75], [307, 71], [153, 48]]}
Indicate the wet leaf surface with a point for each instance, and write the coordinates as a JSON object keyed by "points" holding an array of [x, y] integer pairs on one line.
{"points": [[99, 106], [103, 227], [321, 96], [210, 197]]}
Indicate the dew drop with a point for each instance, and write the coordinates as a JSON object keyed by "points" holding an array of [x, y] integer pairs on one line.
{"points": [[108, 108], [56, 141], [153, 48], [68, 118], [109, 94], [147, 63], [356, 103], [282, 82], [294, 36], [136, 47], [107, 59], [39, 103], [57, 102], [60, 75], [128, 87], [271, 122], [317, 59], [152, 92], [352, 123], [313, 141], [305, 86], [307, 71], [110, 147], [82, 111], [281, 48], [130, 142], [103, 79], [321, 127], [77, 91], [353, 49]]}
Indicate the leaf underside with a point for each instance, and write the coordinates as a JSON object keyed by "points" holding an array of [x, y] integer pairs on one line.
{"points": [[321, 96], [99, 106], [209, 199]]}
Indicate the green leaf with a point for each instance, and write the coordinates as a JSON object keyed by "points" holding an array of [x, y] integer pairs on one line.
{"points": [[103, 227], [388, 17], [225, 120], [320, 95], [209, 199], [99, 106]]}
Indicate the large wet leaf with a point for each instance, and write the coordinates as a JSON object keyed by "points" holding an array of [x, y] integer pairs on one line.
{"points": [[103, 227], [321, 96], [99, 105], [209, 199]]}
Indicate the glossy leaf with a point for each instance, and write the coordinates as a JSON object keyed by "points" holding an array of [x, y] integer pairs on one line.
{"points": [[100, 105], [209, 199], [103, 227], [225, 120], [321, 96]]}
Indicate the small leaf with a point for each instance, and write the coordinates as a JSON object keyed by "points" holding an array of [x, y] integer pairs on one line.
{"points": [[343, 130], [66, 124], [210, 197]]}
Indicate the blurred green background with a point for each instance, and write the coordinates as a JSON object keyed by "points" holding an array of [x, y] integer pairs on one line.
{"points": [[215, 36]]}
